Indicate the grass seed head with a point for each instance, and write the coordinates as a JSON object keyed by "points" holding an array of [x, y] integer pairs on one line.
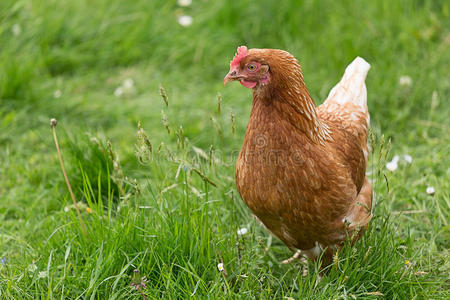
{"points": [[162, 92], [232, 117], [164, 121], [144, 148]]}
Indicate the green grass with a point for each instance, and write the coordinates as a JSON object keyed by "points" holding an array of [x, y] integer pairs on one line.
{"points": [[156, 211]]}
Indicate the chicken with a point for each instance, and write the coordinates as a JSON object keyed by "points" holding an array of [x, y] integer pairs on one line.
{"points": [[301, 169]]}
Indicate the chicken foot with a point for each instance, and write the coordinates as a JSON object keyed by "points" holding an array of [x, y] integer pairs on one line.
{"points": [[296, 255]]}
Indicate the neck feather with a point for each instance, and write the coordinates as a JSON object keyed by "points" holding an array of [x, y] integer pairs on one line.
{"points": [[289, 97]]}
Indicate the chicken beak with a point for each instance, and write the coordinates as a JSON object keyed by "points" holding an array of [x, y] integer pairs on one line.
{"points": [[231, 76]]}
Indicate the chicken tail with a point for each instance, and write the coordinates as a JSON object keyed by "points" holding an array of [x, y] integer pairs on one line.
{"points": [[352, 87]]}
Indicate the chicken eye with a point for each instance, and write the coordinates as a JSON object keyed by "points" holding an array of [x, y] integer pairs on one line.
{"points": [[251, 67]]}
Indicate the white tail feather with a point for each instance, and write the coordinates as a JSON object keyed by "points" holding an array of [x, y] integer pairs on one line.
{"points": [[352, 88]]}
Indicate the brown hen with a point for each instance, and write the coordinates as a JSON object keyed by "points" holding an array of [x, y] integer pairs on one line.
{"points": [[301, 169]]}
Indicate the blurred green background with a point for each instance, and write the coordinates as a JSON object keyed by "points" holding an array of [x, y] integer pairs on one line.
{"points": [[98, 65]]}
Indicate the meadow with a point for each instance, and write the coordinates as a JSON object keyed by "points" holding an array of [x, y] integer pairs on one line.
{"points": [[149, 137]]}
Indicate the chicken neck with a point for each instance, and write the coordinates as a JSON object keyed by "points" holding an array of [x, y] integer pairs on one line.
{"points": [[291, 102]]}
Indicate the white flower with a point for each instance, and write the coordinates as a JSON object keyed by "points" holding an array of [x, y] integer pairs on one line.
{"points": [[242, 231], [430, 190], [57, 94], [118, 92], [125, 89], [393, 164], [16, 29], [395, 159], [220, 267], [42, 274], [128, 83], [66, 209], [407, 158], [405, 80], [184, 2], [185, 21], [32, 268]]}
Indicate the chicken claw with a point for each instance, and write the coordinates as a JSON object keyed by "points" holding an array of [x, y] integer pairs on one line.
{"points": [[294, 257]]}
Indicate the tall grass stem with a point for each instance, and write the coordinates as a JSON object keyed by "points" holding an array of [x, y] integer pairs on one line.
{"points": [[53, 123]]}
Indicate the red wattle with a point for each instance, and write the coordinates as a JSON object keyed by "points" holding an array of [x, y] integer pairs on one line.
{"points": [[248, 84]]}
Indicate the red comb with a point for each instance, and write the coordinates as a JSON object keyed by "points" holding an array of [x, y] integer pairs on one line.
{"points": [[241, 53]]}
